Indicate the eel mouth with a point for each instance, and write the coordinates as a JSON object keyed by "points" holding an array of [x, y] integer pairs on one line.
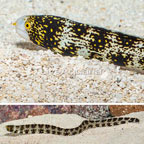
{"points": [[20, 27]]}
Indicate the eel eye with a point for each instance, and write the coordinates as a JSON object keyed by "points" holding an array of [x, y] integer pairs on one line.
{"points": [[27, 25]]}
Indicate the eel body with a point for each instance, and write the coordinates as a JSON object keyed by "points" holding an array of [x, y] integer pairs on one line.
{"points": [[71, 38], [86, 124]]}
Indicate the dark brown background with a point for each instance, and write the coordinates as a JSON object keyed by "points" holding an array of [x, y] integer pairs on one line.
{"points": [[13, 112]]}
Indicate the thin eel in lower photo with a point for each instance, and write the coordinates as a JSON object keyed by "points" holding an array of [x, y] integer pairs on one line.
{"points": [[86, 124]]}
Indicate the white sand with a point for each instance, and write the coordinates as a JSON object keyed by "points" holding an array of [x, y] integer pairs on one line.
{"points": [[122, 134], [29, 74]]}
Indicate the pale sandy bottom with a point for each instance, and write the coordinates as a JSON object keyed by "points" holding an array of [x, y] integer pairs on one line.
{"points": [[29, 74], [122, 134]]}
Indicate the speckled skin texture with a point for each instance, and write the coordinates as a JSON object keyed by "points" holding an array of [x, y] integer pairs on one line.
{"points": [[70, 38], [126, 133], [29, 73], [50, 129]]}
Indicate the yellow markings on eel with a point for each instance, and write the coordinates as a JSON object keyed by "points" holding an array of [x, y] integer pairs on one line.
{"points": [[46, 26], [79, 29], [51, 30], [71, 38], [14, 24]]}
